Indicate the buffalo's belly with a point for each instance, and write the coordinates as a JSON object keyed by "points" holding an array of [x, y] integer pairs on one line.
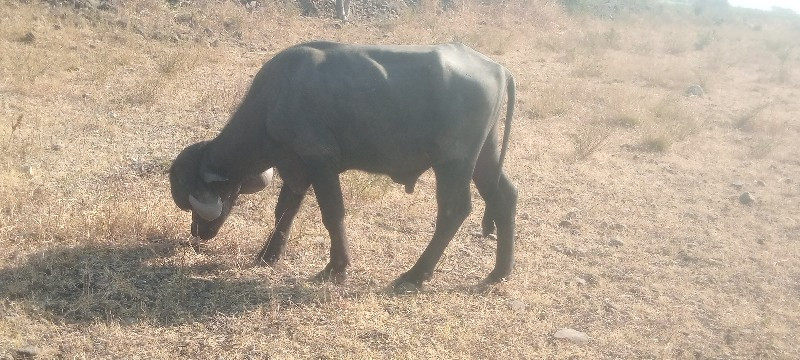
{"points": [[388, 160]]}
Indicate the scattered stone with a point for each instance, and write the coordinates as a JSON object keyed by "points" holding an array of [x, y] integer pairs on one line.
{"points": [[89, 3], [572, 214], [517, 306], [28, 38], [580, 281], [738, 185], [568, 251], [27, 352], [479, 234], [319, 241], [57, 146], [566, 223], [695, 90], [28, 170], [615, 242], [574, 336], [608, 306], [761, 183], [786, 181], [746, 198], [187, 19], [619, 227]]}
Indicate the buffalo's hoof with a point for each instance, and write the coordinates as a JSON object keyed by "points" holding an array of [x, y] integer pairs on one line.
{"points": [[495, 277], [265, 259], [331, 274], [407, 284], [197, 245], [405, 287]]}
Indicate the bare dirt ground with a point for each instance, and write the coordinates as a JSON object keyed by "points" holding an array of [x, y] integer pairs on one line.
{"points": [[633, 225]]}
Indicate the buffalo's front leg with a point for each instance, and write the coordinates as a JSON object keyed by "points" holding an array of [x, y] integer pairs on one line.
{"points": [[285, 212], [453, 206], [329, 197]]}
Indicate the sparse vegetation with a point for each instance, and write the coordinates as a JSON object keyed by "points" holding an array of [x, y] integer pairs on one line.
{"points": [[657, 141], [588, 140], [747, 121], [645, 245]]}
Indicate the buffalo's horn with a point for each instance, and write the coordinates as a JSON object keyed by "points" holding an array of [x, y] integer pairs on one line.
{"points": [[207, 211], [257, 182]]}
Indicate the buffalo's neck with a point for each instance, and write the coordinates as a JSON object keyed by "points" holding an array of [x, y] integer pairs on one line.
{"points": [[240, 149]]}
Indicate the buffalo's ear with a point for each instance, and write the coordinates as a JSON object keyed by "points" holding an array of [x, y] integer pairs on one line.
{"points": [[209, 176], [256, 183]]}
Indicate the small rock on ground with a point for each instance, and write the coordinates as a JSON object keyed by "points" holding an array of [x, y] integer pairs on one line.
{"points": [[28, 352], [695, 90], [572, 335], [517, 306], [746, 198], [28, 38]]}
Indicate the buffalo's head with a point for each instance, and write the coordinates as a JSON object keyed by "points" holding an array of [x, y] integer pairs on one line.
{"points": [[209, 195]]}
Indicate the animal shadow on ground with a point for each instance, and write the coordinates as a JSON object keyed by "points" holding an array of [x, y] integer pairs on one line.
{"points": [[143, 283]]}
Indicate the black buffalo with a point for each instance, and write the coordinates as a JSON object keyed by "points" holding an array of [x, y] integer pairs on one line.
{"points": [[318, 109]]}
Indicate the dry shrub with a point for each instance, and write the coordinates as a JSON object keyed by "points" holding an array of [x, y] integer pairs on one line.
{"points": [[763, 145], [490, 40], [672, 121], [656, 140], [182, 60], [587, 66], [784, 66], [589, 140], [553, 99], [766, 128], [144, 92], [748, 121], [625, 120]]}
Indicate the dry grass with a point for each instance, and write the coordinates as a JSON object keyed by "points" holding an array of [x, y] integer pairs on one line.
{"points": [[642, 244]]}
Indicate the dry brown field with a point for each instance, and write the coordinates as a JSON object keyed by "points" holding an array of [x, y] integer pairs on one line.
{"points": [[633, 225]]}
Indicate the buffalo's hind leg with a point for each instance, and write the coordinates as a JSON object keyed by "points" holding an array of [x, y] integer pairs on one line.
{"points": [[285, 212], [453, 206], [501, 207]]}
